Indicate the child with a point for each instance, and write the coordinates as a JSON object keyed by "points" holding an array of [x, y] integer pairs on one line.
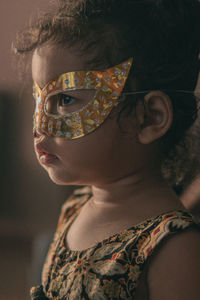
{"points": [[113, 83]]}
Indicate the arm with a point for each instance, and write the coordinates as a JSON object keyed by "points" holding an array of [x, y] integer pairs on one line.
{"points": [[174, 270]]}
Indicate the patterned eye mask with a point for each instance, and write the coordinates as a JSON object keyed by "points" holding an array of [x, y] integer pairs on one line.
{"points": [[77, 103]]}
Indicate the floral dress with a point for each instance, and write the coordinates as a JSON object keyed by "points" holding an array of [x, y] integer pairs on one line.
{"points": [[112, 268]]}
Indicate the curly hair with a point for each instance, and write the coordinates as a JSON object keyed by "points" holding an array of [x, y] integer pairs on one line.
{"points": [[161, 35]]}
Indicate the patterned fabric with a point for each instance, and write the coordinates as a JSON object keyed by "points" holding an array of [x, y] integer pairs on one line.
{"points": [[111, 269], [37, 293]]}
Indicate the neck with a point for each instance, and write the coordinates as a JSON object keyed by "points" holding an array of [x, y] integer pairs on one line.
{"points": [[145, 193]]}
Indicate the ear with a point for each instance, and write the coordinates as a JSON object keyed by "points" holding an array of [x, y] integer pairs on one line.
{"points": [[158, 116]]}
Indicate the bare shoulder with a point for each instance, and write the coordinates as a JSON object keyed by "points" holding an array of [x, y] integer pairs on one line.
{"points": [[174, 269]]}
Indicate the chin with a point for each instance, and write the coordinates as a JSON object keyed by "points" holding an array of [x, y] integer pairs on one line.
{"points": [[63, 179], [59, 180]]}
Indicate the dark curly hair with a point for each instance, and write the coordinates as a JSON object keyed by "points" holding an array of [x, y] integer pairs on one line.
{"points": [[161, 35]]}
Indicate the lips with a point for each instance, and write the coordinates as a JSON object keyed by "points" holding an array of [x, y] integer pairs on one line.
{"points": [[44, 156]]}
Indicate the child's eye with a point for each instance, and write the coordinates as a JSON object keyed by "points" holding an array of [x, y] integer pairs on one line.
{"points": [[62, 104], [64, 100]]}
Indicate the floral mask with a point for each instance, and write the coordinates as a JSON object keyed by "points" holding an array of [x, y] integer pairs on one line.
{"points": [[76, 103]]}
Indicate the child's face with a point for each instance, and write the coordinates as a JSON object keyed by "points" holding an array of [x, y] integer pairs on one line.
{"points": [[102, 156]]}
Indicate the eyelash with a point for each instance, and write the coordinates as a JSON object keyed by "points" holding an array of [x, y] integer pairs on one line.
{"points": [[63, 97]]}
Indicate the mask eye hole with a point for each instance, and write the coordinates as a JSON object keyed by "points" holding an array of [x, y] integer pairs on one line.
{"points": [[68, 102], [63, 102]]}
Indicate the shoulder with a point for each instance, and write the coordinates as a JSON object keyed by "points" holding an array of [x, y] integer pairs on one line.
{"points": [[174, 268]]}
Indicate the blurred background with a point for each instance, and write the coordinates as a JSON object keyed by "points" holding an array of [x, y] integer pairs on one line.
{"points": [[29, 202]]}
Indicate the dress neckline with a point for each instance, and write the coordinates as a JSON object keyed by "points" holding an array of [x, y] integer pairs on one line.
{"points": [[113, 237]]}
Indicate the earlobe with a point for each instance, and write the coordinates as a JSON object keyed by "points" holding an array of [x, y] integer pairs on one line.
{"points": [[158, 117]]}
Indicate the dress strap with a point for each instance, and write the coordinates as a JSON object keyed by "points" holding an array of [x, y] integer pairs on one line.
{"points": [[159, 229]]}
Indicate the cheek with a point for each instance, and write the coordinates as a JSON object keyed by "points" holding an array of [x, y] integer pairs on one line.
{"points": [[99, 157], [82, 161], [91, 150]]}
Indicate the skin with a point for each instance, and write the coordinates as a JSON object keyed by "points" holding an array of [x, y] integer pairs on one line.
{"points": [[123, 170], [191, 197]]}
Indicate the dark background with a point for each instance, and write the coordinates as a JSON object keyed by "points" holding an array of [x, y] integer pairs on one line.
{"points": [[29, 202]]}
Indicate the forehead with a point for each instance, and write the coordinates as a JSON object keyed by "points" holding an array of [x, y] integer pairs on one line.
{"points": [[49, 62]]}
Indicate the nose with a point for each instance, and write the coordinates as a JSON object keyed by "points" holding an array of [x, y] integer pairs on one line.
{"points": [[38, 132]]}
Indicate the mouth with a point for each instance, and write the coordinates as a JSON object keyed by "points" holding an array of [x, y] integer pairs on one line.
{"points": [[44, 156]]}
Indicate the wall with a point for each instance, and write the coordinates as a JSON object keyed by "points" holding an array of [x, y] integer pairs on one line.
{"points": [[29, 201], [14, 16], [23, 172]]}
